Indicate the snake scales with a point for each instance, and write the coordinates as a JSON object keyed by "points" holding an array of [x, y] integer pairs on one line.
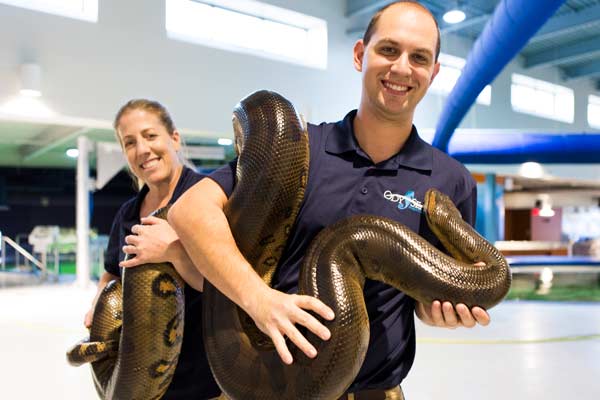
{"points": [[136, 333], [271, 176]]}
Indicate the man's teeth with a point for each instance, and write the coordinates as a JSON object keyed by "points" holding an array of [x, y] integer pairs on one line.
{"points": [[396, 87]]}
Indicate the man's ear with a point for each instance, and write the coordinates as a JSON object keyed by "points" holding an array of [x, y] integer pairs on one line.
{"points": [[436, 69], [359, 53]]}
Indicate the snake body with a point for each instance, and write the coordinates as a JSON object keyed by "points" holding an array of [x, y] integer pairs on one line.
{"points": [[136, 333], [272, 170]]}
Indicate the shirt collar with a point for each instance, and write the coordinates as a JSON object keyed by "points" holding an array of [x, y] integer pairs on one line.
{"points": [[179, 189], [415, 154]]}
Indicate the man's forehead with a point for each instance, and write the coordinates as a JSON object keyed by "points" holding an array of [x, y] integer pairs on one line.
{"points": [[387, 25]]}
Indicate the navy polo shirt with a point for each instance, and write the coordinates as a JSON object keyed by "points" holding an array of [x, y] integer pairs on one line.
{"points": [[343, 181], [193, 378]]}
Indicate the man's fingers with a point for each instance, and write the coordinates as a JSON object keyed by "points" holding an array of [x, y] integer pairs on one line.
{"points": [[436, 313], [281, 347], [300, 341], [465, 315], [313, 325], [316, 305], [449, 315], [481, 316]]}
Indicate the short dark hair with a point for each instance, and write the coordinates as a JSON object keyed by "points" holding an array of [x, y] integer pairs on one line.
{"points": [[373, 23]]}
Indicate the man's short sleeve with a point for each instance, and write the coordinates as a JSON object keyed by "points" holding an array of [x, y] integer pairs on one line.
{"points": [[225, 177]]}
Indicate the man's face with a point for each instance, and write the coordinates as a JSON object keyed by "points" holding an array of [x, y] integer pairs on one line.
{"points": [[398, 64]]}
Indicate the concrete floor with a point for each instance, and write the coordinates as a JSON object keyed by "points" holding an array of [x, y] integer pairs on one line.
{"points": [[546, 351]]}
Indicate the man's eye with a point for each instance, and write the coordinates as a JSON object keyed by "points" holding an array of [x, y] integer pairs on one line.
{"points": [[388, 50], [421, 59]]}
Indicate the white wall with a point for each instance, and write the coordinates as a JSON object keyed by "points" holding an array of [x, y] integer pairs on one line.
{"points": [[89, 70]]}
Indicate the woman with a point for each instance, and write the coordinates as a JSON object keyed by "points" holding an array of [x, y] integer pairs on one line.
{"points": [[151, 145]]}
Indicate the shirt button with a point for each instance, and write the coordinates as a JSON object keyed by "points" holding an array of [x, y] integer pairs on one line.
{"points": [[364, 190]]}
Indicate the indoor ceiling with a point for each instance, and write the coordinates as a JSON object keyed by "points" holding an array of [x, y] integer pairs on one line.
{"points": [[43, 142], [569, 41]]}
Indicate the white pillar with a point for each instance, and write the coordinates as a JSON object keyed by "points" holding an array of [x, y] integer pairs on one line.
{"points": [[83, 213]]}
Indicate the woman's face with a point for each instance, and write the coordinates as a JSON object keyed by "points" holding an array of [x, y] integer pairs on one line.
{"points": [[150, 150]]}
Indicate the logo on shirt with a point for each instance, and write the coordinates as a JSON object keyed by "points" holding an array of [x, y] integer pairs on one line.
{"points": [[405, 201]]}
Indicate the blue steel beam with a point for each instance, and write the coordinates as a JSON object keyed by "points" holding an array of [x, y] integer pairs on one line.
{"points": [[564, 54], [515, 148], [586, 70], [565, 23], [505, 34]]}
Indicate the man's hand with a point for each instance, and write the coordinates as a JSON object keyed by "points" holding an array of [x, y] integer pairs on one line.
{"points": [[446, 316], [275, 313]]}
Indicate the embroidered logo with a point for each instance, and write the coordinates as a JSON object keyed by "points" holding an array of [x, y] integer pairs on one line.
{"points": [[404, 201]]}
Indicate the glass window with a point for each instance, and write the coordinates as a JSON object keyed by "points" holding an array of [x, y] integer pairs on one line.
{"points": [[593, 111], [541, 98], [450, 70], [86, 10], [250, 26]]}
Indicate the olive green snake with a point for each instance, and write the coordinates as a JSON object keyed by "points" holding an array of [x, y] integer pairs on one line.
{"points": [[271, 175], [136, 333]]}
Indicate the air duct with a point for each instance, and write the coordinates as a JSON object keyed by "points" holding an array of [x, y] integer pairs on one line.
{"points": [[515, 148], [513, 23]]}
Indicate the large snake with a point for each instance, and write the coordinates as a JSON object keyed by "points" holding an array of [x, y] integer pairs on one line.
{"points": [[272, 171], [136, 333]]}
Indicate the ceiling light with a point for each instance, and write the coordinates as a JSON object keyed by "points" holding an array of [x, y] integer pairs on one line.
{"points": [[26, 106], [73, 153], [531, 170], [225, 142], [454, 16]]}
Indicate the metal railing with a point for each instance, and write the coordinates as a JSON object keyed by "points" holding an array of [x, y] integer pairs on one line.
{"points": [[20, 250]]}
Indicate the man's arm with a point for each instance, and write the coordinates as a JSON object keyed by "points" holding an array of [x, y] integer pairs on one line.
{"points": [[200, 223]]}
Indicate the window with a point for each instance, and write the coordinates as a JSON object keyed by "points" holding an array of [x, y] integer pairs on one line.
{"points": [[250, 26], [593, 111], [450, 70], [541, 98], [86, 10]]}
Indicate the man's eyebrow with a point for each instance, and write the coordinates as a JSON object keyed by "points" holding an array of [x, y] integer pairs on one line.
{"points": [[422, 50]]}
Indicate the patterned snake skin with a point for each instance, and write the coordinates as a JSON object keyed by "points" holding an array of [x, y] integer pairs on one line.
{"points": [[271, 175], [136, 333]]}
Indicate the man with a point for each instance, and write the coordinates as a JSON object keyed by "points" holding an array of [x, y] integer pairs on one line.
{"points": [[372, 162]]}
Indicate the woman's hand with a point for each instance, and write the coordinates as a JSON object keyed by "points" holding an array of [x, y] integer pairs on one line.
{"points": [[154, 241]]}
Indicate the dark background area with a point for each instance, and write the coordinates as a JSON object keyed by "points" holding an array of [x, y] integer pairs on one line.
{"points": [[36, 196]]}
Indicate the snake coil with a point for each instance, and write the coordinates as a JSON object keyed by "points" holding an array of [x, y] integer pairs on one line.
{"points": [[272, 171], [136, 333]]}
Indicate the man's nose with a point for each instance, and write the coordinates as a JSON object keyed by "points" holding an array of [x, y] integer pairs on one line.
{"points": [[401, 65]]}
